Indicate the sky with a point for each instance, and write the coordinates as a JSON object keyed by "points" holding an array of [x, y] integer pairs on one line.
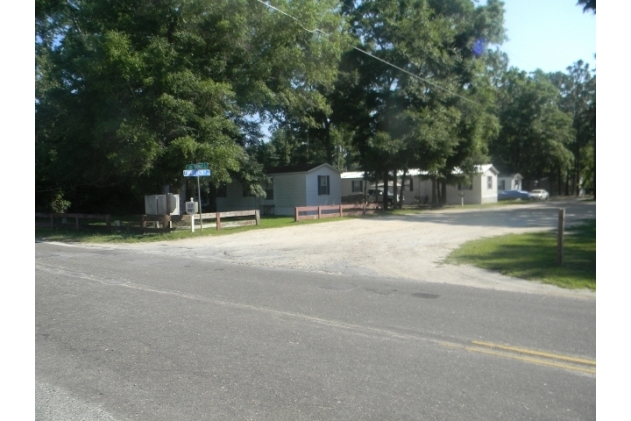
{"points": [[548, 34]]}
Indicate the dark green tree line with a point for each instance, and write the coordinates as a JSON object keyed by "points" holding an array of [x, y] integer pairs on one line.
{"points": [[129, 92]]}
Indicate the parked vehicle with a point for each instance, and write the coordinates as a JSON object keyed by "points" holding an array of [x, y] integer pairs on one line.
{"points": [[539, 194], [513, 195], [377, 196]]}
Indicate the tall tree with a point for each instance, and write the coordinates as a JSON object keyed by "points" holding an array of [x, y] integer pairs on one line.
{"points": [[433, 120], [535, 133], [577, 89], [129, 92]]}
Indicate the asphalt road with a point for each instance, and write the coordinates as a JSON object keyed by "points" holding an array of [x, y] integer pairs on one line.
{"points": [[126, 335]]}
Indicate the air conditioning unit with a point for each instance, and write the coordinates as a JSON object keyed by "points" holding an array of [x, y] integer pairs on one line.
{"points": [[162, 204]]}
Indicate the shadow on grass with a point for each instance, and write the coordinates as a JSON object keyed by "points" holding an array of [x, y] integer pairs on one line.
{"points": [[534, 256]]}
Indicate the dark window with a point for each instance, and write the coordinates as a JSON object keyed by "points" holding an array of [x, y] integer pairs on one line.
{"points": [[465, 186], [323, 185], [358, 186], [501, 185], [489, 182], [411, 184]]}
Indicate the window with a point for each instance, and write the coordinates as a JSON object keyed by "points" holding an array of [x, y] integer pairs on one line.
{"points": [[222, 191], [501, 185], [489, 182], [357, 186], [323, 185], [465, 186], [269, 189], [411, 184]]}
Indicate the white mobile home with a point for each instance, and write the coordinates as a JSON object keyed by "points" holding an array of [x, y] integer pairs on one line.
{"points": [[289, 187], [482, 189], [417, 187], [509, 182]]}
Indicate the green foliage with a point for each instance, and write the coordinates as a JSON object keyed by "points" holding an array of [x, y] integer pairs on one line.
{"points": [[59, 204], [535, 133], [438, 122], [128, 93]]}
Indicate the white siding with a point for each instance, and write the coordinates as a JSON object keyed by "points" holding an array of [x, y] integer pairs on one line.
{"points": [[480, 193], [289, 191], [335, 188], [510, 183], [347, 186], [489, 195], [420, 189], [235, 200]]}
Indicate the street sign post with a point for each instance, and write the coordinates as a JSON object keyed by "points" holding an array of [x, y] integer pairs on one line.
{"points": [[196, 173], [198, 170], [191, 209], [200, 166]]}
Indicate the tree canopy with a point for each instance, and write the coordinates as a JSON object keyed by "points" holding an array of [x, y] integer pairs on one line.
{"points": [[128, 93]]}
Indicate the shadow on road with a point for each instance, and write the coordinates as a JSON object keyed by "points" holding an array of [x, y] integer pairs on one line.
{"points": [[543, 215]]}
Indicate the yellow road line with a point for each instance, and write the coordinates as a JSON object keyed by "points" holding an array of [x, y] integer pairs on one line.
{"points": [[520, 357], [537, 353], [532, 360]]}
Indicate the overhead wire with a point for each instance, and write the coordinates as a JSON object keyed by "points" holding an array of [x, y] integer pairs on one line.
{"points": [[319, 31]]}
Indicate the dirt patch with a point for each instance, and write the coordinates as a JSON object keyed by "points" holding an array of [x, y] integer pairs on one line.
{"points": [[408, 246]]}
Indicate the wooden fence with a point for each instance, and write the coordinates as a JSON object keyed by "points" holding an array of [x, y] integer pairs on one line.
{"points": [[61, 220], [217, 220], [149, 223], [333, 211]]}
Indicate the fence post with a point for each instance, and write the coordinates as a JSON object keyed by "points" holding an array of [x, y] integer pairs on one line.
{"points": [[257, 214], [218, 221], [560, 230], [142, 223], [341, 213], [296, 214], [364, 209], [319, 212]]}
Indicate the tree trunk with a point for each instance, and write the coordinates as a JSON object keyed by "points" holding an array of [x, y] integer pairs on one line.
{"points": [[385, 190], [402, 188], [594, 169], [443, 193], [328, 147], [559, 180]]}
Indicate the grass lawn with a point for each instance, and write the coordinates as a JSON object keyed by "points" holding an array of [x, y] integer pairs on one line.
{"points": [[533, 256], [87, 236]]}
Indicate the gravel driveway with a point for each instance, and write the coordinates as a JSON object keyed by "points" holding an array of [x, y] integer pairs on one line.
{"points": [[408, 246]]}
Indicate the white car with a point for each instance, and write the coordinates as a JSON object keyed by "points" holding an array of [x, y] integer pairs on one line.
{"points": [[538, 194]]}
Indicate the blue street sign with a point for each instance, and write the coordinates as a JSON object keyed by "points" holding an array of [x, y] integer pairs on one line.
{"points": [[200, 166], [196, 173]]}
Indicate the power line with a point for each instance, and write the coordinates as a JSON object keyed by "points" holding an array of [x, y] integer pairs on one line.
{"points": [[318, 31]]}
